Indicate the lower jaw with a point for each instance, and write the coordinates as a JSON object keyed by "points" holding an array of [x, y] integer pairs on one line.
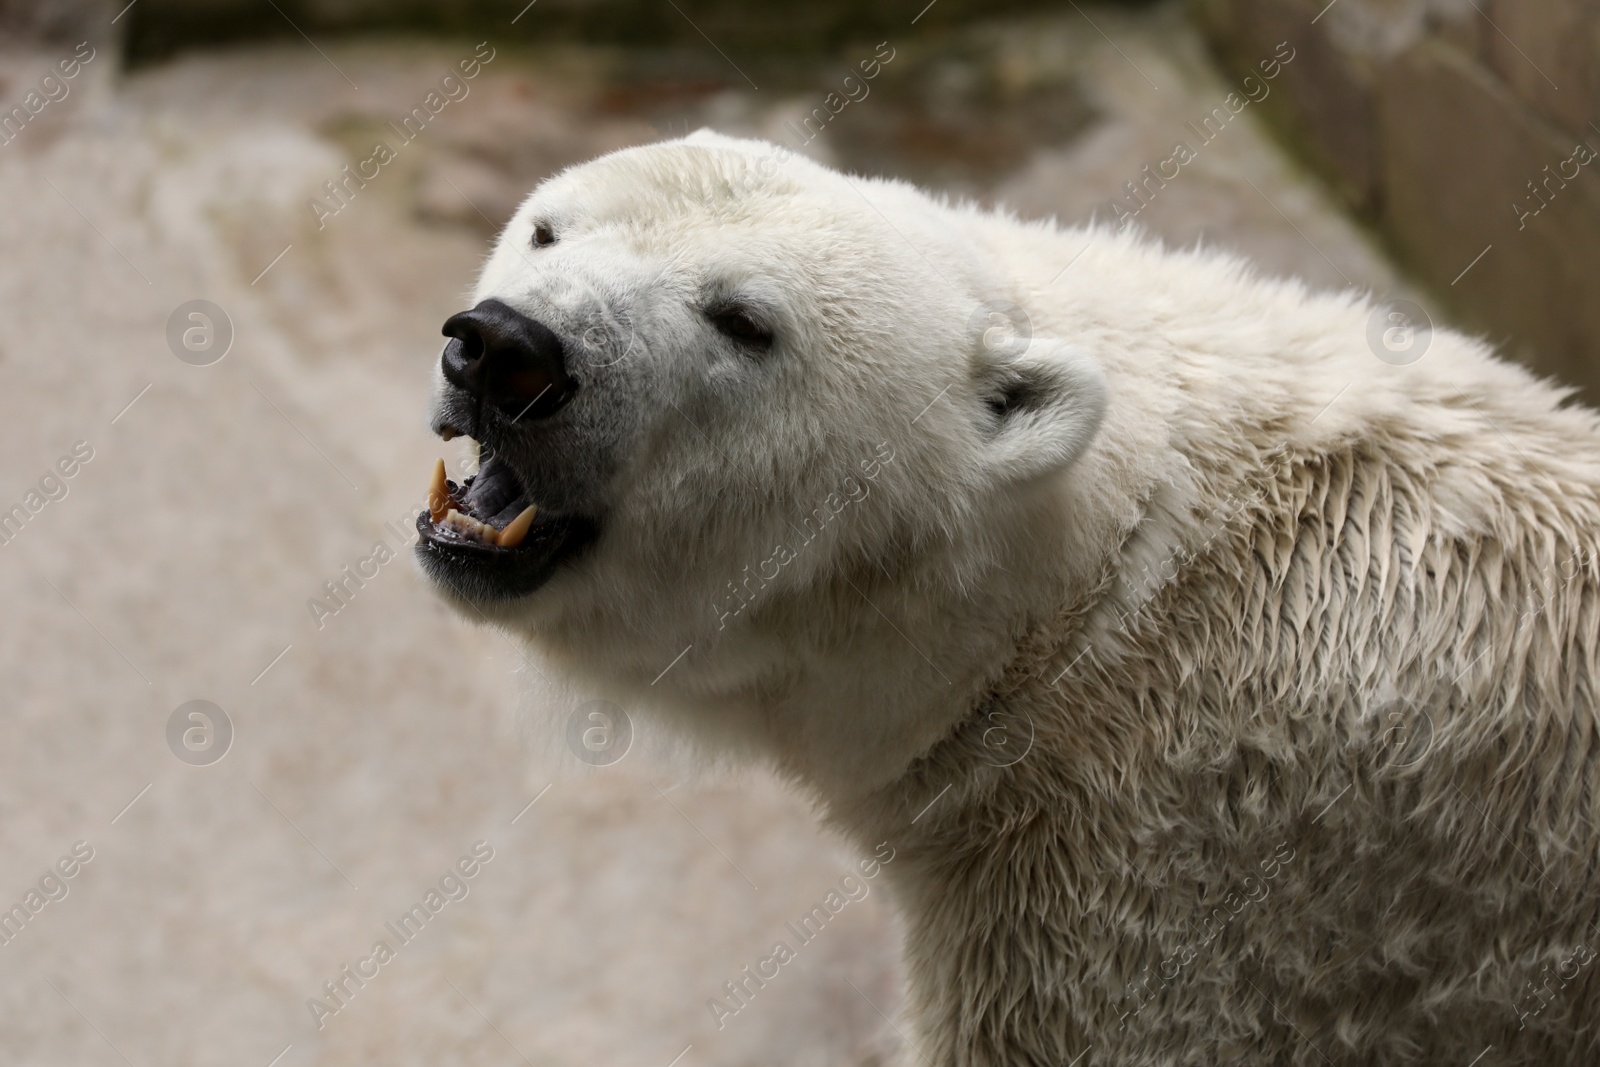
{"points": [[480, 573]]}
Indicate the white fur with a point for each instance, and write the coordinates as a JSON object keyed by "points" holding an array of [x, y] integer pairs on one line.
{"points": [[1198, 570]]}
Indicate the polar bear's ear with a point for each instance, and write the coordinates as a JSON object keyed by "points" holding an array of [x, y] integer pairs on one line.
{"points": [[1046, 404]]}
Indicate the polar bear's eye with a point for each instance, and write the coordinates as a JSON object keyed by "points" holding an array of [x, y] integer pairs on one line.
{"points": [[543, 235], [734, 323]]}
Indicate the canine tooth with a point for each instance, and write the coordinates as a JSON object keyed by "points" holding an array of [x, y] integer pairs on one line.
{"points": [[517, 528], [438, 493], [448, 433]]}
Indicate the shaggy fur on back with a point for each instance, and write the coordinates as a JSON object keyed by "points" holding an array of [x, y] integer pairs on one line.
{"points": [[1227, 694], [1312, 768], [1345, 811]]}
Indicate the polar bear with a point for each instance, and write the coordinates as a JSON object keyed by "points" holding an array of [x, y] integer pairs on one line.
{"points": [[1226, 693]]}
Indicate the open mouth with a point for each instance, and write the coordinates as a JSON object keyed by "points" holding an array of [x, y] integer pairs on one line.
{"points": [[487, 539]]}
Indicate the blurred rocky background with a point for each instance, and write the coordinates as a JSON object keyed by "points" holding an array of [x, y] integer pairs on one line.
{"points": [[245, 464], [1458, 129]]}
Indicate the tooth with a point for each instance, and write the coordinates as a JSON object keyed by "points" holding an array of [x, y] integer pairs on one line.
{"points": [[473, 527], [438, 493], [517, 528], [448, 433]]}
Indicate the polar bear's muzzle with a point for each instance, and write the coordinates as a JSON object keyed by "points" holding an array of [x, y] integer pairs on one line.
{"points": [[487, 538], [502, 358]]}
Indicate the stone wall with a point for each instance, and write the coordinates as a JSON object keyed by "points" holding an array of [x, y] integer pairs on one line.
{"points": [[1467, 132]]}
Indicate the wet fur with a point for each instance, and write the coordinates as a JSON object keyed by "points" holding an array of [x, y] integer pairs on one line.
{"points": [[1218, 579]]}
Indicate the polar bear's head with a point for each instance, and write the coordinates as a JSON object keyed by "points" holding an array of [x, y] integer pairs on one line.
{"points": [[758, 410]]}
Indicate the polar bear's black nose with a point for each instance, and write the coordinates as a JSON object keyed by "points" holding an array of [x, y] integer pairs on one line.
{"points": [[502, 357]]}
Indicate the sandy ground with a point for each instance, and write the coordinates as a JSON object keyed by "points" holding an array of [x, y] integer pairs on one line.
{"points": [[373, 747]]}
